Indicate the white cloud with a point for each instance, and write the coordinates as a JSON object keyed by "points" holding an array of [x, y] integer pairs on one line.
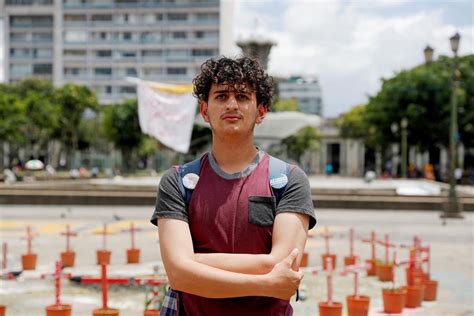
{"points": [[1, 50], [349, 46]]}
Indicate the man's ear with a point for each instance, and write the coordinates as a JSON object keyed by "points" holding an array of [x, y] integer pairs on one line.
{"points": [[203, 111], [262, 111]]}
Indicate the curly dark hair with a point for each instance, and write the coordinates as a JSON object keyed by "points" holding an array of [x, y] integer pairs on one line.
{"points": [[235, 72]]}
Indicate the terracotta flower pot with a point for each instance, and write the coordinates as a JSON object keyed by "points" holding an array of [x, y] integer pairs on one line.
{"points": [[105, 312], [68, 258], [358, 305], [415, 276], [333, 309], [384, 272], [62, 310], [431, 288], [349, 260], [103, 256], [373, 269], [133, 255], [393, 300], [304, 260], [151, 312], [28, 261], [2, 310], [415, 294], [333, 259]]}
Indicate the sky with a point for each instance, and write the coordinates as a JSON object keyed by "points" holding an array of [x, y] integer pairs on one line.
{"points": [[350, 45]]}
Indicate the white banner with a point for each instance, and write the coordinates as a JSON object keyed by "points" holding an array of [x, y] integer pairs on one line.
{"points": [[166, 112]]}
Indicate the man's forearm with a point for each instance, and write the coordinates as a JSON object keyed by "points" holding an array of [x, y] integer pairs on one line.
{"points": [[238, 262], [204, 280]]}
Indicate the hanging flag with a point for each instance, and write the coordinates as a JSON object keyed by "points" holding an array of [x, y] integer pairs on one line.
{"points": [[166, 112]]}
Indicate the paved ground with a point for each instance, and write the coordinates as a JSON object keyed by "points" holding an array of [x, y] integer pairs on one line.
{"points": [[452, 257]]}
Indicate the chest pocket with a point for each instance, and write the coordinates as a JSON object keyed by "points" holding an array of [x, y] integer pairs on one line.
{"points": [[262, 210]]}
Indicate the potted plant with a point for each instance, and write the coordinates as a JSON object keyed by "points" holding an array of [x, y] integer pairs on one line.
{"points": [[28, 260], [351, 259], [329, 308], [304, 260], [393, 298], [431, 289], [103, 255], [328, 254], [385, 270], [133, 254], [68, 256], [58, 309], [373, 261], [357, 305], [2, 310]]}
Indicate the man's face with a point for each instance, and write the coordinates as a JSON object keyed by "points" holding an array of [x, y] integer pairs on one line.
{"points": [[232, 110]]}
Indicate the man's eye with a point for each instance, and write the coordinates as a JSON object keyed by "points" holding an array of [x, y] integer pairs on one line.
{"points": [[221, 97], [242, 97]]}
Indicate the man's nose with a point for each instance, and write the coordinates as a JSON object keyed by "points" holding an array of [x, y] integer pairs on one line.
{"points": [[231, 102]]}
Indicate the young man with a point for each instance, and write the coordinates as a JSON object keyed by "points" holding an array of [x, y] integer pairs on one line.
{"points": [[231, 250]]}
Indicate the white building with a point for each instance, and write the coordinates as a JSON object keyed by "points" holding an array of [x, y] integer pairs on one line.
{"points": [[99, 43], [306, 91]]}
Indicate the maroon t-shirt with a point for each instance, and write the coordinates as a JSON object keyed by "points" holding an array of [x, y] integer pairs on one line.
{"points": [[233, 214]]}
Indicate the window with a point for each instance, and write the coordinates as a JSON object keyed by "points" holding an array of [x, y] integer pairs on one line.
{"points": [[74, 52], [103, 53], [152, 71], [130, 72], [21, 69], [159, 17], [102, 18], [128, 89], [207, 16], [42, 69], [177, 16], [179, 34], [42, 53], [47, 37], [152, 53], [103, 71], [129, 54], [176, 71], [204, 52], [127, 36], [75, 18], [75, 36]]}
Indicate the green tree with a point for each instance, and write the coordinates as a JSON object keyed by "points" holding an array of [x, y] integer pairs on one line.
{"points": [[423, 95], [73, 101], [306, 139], [12, 116], [122, 128], [285, 105]]}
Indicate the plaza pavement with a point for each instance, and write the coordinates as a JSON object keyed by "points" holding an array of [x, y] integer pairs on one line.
{"points": [[451, 246]]}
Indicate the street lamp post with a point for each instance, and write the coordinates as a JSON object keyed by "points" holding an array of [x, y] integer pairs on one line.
{"points": [[404, 125], [452, 208]]}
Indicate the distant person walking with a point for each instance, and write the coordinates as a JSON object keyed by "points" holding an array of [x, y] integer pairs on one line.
{"points": [[234, 246]]}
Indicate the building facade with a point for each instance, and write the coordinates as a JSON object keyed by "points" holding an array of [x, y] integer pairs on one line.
{"points": [[306, 91], [98, 43]]}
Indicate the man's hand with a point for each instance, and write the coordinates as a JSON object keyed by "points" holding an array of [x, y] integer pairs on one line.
{"points": [[283, 279]]}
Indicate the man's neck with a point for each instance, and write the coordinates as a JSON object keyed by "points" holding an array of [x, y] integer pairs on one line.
{"points": [[233, 156]]}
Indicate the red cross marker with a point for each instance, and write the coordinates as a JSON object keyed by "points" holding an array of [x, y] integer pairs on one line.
{"points": [[68, 233], [57, 275], [132, 231], [329, 279], [29, 238], [356, 268], [387, 246], [372, 241], [326, 235], [104, 234], [153, 286]]}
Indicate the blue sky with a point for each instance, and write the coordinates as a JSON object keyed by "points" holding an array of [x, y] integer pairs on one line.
{"points": [[350, 45]]}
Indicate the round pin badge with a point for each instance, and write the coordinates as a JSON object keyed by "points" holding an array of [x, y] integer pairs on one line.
{"points": [[279, 182], [190, 180]]}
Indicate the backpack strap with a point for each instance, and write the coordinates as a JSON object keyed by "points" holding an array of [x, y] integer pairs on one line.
{"points": [[278, 176], [189, 176]]}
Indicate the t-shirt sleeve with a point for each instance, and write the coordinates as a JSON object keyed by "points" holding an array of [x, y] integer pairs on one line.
{"points": [[297, 196], [169, 201]]}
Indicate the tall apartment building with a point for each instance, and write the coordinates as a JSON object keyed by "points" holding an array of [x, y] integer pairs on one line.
{"points": [[99, 43], [306, 91]]}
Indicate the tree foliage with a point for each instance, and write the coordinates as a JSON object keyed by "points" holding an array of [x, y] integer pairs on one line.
{"points": [[423, 96], [306, 139], [285, 105]]}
